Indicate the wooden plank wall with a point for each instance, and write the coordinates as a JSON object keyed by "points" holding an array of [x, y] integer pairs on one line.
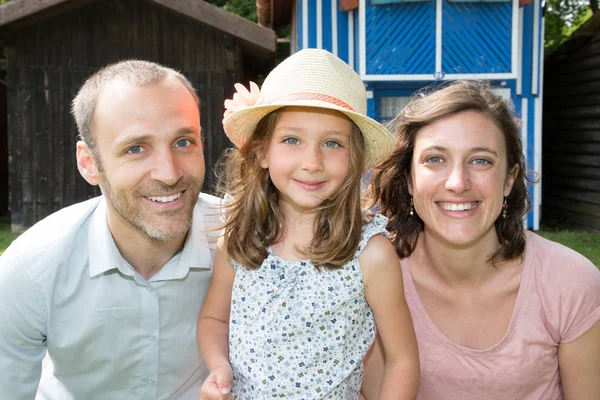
{"points": [[50, 61], [571, 138], [3, 150]]}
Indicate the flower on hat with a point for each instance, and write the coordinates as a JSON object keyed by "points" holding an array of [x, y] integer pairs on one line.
{"points": [[242, 98]]}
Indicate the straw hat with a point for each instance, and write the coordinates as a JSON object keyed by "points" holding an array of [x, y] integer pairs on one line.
{"points": [[314, 78]]}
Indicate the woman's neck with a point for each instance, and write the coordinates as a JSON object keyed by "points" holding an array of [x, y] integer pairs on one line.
{"points": [[457, 265]]}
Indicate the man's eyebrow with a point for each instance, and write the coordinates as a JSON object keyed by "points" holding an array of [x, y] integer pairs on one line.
{"points": [[129, 140]]}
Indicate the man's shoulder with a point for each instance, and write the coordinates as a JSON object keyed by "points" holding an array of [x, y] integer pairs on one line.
{"points": [[210, 208], [209, 201], [52, 235]]}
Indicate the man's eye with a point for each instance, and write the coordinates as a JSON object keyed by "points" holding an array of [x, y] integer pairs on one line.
{"points": [[183, 143], [135, 149]]}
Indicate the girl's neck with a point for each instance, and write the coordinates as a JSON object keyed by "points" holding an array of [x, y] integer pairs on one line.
{"points": [[298, 232], [455, 265]]}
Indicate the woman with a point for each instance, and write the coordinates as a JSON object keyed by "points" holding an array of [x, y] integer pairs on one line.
{"points": [[499, 313]]}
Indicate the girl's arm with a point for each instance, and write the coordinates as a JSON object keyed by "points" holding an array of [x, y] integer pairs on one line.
{"points": [[579, 365], [213, 327], [384, 291]]}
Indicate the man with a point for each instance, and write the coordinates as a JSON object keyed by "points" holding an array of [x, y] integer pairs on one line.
{"points": [[111, 288]]}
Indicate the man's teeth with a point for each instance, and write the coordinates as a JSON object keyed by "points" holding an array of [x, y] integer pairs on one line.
{"points": [[459, 207], [165, 199]]}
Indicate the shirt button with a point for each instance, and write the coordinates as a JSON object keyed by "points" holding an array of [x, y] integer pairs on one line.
{"points": [[149, 288], [149, 381], [151, 338]]}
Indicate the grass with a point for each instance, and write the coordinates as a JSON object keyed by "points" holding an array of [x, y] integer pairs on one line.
{"points": [[6, 236], [584, 242]]}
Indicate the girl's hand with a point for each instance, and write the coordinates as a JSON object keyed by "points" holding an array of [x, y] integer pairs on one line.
{"points": [[218, 384], [241, 99]]}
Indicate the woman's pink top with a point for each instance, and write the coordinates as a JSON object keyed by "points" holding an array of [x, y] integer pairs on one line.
{"points": [[558, 300]]}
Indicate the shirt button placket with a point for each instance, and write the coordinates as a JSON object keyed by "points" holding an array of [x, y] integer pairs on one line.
{"points": [[151, 325]]}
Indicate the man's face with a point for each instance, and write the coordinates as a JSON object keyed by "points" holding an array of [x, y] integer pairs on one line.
{"points": [[149, 157]]}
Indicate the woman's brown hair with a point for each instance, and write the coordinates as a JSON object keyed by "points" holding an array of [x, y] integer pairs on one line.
{"points": [[389, 186], [253, 219]]}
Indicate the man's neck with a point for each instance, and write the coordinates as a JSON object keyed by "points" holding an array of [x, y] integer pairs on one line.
{"points": [[145, 255]]}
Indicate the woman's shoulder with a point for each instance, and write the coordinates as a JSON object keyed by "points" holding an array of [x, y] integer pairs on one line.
{"points": [[568, 285], [556, 260]]}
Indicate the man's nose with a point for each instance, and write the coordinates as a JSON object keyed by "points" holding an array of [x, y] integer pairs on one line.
{"points": [[166, 168]]}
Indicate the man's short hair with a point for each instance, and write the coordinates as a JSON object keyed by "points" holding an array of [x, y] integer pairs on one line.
{"points": [[134, 72]]}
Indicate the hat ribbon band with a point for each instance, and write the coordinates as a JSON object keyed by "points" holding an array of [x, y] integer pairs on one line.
{"points": [[313, 96]]}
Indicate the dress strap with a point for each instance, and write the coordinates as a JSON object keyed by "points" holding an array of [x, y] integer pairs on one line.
{"points": [[374, 227]]}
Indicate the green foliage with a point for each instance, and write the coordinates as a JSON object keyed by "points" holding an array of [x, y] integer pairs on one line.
{"points": [[563, 17], [243, 8]]}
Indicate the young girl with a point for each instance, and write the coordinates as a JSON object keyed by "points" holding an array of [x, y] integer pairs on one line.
{"points": [[301, 277]]}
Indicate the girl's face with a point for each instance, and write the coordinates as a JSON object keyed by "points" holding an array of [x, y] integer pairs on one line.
{"points": [[459, 177], [308, 156]]}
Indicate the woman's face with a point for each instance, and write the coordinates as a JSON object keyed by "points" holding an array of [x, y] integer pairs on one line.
{"points": [[459, 177]]}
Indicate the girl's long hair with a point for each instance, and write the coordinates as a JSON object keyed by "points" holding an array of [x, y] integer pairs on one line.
{"points": [[253, 220]]}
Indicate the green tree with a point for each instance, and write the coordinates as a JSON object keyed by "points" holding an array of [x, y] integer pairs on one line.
{"points": [[563, 17], [243, 8]]}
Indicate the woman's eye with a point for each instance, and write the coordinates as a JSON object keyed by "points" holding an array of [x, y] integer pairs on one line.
{"points": [[332, 144], [481, 161], [135, 150], [435, 160], [291, 140], [183, 143]]}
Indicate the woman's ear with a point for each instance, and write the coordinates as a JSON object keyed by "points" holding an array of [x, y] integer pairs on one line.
{"points": [[409, 183], [86, 164], [510, 179]]}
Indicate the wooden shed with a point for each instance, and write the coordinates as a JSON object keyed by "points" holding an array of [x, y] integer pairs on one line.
{"points": [[571, 141], [52, 46]]}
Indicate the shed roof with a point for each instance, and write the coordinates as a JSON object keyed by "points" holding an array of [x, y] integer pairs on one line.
{"points": [[16, 13], [274, 14], [577, 40]]}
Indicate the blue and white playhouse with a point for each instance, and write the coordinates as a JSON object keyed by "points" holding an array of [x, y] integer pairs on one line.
{"points": [[400, 46]]}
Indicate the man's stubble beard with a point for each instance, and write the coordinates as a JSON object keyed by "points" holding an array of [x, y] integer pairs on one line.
{"points": [[130, 211]]}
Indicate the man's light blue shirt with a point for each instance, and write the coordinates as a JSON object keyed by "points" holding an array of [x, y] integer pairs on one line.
{"points": [[109, 333]]}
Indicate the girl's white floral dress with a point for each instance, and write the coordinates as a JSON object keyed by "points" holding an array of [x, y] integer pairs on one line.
{"points": [[299, 333]]}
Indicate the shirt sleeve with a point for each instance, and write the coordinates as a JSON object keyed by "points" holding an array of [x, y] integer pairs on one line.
{"points": [[22, 331], [570, 284]]}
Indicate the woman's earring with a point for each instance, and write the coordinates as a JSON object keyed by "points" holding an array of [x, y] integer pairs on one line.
{"points": [[412, 208], [504, 208]]}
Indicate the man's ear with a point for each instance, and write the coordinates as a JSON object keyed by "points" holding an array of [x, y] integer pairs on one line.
{"points": [[86, 164]]}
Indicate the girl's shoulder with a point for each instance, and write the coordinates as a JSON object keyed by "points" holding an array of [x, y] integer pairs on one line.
{"points": [[373, 225]]}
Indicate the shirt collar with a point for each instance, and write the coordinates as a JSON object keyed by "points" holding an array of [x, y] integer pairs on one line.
{"points": [[105, 256]]}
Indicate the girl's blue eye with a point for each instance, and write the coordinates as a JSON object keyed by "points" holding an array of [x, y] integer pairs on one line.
{"points": [[332, 144], [135, 150], [291, 140], [183, 143]]}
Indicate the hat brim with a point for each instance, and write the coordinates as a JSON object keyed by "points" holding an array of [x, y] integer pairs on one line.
{"points": [[379, 142]]}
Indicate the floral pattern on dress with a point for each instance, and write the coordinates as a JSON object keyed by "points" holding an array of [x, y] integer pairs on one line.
{"points": [[299, 333]]}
